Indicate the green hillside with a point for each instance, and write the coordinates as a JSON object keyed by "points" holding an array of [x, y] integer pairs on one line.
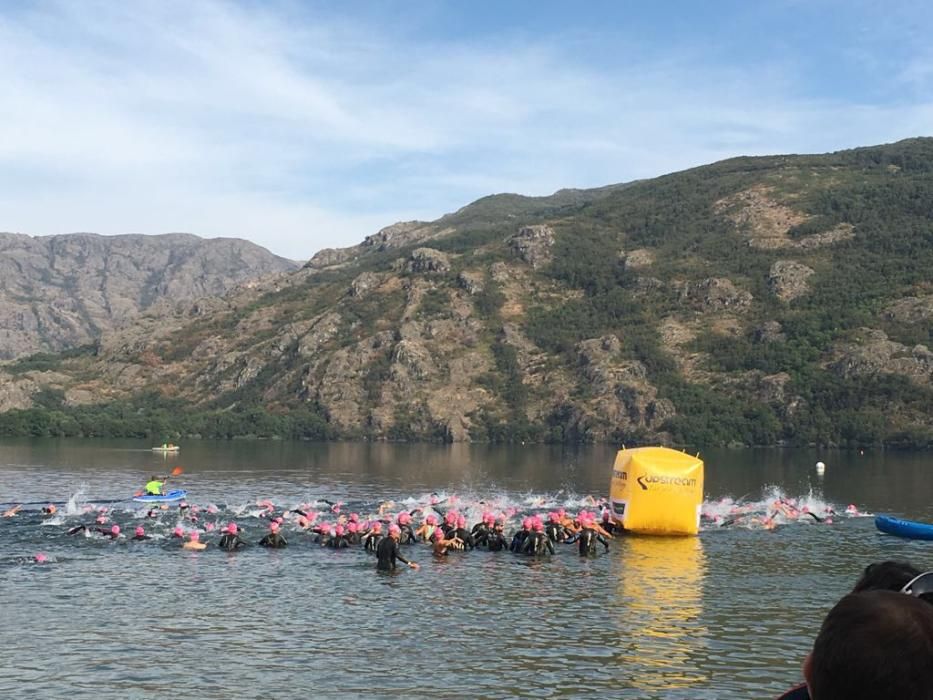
{"points": [[774, 300]]}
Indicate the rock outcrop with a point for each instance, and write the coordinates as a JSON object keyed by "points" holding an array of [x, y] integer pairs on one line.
{"points": [[533, 245], [789, 279]]}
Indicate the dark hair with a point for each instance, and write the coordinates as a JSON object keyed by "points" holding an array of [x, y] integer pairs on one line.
{"points": [[871, 645], [886, 576]]}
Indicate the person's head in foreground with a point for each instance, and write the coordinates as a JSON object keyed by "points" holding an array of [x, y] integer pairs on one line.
{"points": [[875, 644]]}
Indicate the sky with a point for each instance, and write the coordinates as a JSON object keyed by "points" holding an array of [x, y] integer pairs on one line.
{"points": [[302, 125]]}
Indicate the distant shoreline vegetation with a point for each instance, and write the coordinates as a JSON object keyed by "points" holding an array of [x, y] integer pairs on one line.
{"points": [[157, 418]]}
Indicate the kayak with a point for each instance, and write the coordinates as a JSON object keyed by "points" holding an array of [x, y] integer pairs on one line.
{"points": [[173, 448], [176, 495], [911, 529]]}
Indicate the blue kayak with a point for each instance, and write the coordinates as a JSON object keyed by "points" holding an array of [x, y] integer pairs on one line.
{"points": [[165, 498], [904, 528]]}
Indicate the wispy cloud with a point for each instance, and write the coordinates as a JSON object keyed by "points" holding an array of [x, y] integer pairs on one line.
{"points": [[301, 130]]}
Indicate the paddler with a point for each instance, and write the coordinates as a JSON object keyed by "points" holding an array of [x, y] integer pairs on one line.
{"points": [[154, 485]]}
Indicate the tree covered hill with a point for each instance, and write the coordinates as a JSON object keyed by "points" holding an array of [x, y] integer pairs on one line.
{"points": [[768, 300]]}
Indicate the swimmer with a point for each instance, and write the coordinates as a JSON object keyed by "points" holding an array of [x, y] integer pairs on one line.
{"points": [[387, 552], [587, 538], [463, 535], [441, 545], [273, 540], [518, 540], [353, 532], [11, 512], [41, 558], [140, 534], [339, 539], [178, 533], [194, 542], [554, 530], [404, 524], [425, 533], [537, 544], [230, 542], [50, 509], [113, 533], [484, 526], [495, 541], [373, 538]]}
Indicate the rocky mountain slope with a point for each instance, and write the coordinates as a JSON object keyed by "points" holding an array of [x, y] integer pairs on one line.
{"points": [[60, 292], [774, 300]]}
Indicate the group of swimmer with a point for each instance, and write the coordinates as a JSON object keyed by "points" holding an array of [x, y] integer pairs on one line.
{"points": [[780, 510], [384, 533]]}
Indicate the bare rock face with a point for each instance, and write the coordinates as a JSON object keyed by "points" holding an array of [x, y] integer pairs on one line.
{"points": [[716, 294], [911, 310], [533, 245], [328, 257], [58, 292], [364, 283], [624, 401], [872, 353], [428, 261], [394, 236], [323, 331], [639, 259], [789, 279], [472, 282]]}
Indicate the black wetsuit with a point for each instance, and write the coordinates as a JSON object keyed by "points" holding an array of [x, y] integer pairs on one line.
{"points": [[408, 535], [466, 536], [555, 532], [230, 543], [387, 552], [338, 542], [372, 540], [587, 539], [273, 541], [518, 541], [480, 530], [537, 544], [139, 538], [494, 541]]}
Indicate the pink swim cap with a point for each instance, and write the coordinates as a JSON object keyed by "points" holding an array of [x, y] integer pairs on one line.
{"points": [[539, 526], [395, 530], [303, 521], [378, 527], [140, 532], [232, 528], [274, 525], [115, 530], [178, 531], [339, 530], [553, 517], [41, 558], [353, 526], [431, 520], [194, 535], [101, 519], [404, 518], [438, 534], [450, 517], [209, 527], [354, 517], [461, 521], [526, 523], [212, 509]]}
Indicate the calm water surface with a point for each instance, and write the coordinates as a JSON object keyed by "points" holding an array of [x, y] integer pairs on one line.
{"points": [[729, 614]]}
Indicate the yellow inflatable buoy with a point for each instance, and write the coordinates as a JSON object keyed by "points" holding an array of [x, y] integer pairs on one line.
{"points": [[657, 491]]}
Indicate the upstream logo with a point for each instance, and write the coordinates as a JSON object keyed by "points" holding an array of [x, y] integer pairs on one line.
{"points": [[646, 480]]}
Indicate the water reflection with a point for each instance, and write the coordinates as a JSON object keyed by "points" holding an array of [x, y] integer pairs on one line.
{"points": [[659, 603]]}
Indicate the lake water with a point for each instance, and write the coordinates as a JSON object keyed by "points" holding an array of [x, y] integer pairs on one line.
{"points": [[728, 614]]}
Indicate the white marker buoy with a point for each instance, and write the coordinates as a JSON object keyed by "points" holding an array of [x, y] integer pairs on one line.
{"points": [[820, 467]]}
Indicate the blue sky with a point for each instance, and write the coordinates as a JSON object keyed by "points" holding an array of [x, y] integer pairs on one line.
{"points": [[303, 125]]}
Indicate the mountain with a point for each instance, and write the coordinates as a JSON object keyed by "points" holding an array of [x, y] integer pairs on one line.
{"points": [[61, 292], [767, 300]]}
